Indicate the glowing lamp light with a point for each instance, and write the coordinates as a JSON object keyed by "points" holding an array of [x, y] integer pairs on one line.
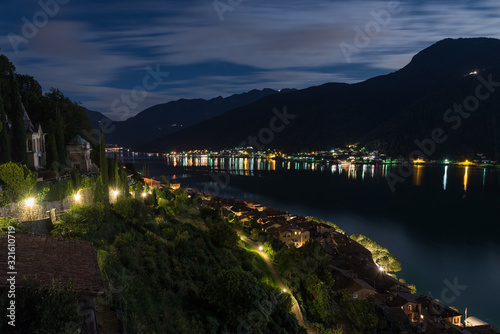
{"points": [[30, 202], [284, 290], [77, 197], [115, 192], [261, 248], [381, 268], [143, 194]]}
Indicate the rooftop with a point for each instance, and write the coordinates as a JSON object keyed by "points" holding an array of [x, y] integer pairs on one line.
{"points": [[48, 258]]}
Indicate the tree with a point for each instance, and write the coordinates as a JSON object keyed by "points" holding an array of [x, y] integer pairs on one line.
{"points": [[18, 143], [116, 173], [75, 179], [52, 155], [59, 138], [31, 93], [98, 192], [223, 235], [18, 179], [234, 292], [124, 189], [103, 169], [4, 139]]}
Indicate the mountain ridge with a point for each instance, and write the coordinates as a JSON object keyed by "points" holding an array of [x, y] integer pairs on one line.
{"points": [[166, 118], [387, 112]]}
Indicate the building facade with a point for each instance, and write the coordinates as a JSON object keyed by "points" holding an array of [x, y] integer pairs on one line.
{"points": [[35, 143], [78, 154]]}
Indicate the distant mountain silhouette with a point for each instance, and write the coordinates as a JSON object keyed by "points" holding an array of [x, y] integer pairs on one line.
{"points": [[388, 113], [167, 118]]}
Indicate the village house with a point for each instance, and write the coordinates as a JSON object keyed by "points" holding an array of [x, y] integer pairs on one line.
{"points": [[436, 311], [408, 303], [292, 235], [360, 289]]}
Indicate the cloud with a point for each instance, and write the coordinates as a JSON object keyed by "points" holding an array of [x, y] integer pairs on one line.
{"points": [[95, 51]]}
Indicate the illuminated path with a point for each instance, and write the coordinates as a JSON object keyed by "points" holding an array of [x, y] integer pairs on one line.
{"points": [[295, 308]]}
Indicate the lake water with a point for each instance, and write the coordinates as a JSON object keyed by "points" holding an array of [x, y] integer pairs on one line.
{"points": [[442, 222]]}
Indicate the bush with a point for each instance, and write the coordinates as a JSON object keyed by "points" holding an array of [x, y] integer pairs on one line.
{"points": [[18, 181], [43, 309], [133, 210], [81, 222], [5, 222]]}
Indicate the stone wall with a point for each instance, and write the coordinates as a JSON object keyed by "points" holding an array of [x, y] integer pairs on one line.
{"points": [[21, 212]]}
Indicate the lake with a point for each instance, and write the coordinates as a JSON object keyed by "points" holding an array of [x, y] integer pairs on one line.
{"points": [[442, 222]]}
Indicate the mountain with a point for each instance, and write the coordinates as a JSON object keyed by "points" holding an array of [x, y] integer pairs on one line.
{"points": [[167, 118], [388, 112], [94, 118]]}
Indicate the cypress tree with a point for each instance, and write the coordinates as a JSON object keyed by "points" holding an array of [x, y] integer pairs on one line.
{"points": [[59, 138], [52, 156], [19, 151], [124, 188], [4, 139], [98, 192], [117, 174], [103, 166]]}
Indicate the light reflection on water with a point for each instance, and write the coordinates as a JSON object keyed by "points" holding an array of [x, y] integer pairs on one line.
{"points": [[250, 166]]}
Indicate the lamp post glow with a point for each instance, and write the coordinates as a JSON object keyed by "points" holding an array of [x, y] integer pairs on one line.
{"points": [[77, 197], [144, 194], [115, 192], [30, 202], [261, 248]]}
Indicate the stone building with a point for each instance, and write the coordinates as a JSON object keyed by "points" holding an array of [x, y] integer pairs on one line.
{"points": [[78, 154]]}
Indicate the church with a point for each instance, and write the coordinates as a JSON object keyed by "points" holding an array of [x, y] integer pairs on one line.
{"points": [[35, 143]]}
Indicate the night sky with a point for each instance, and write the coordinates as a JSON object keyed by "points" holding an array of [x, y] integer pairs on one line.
{"points": [[95, 51]]}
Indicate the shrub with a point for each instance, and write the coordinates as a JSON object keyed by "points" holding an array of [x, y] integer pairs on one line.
{"points": [[81, 221], [133, 209], [43, 309]]}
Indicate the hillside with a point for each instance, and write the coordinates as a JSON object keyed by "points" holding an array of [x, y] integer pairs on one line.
{"points": [[167, 118], [387, 113]]}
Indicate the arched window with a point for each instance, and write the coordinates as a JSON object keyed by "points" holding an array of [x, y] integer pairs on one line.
{"points": [[30, 145]]}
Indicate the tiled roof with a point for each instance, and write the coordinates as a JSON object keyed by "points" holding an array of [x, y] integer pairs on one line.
{"points": [[50, 258]]}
